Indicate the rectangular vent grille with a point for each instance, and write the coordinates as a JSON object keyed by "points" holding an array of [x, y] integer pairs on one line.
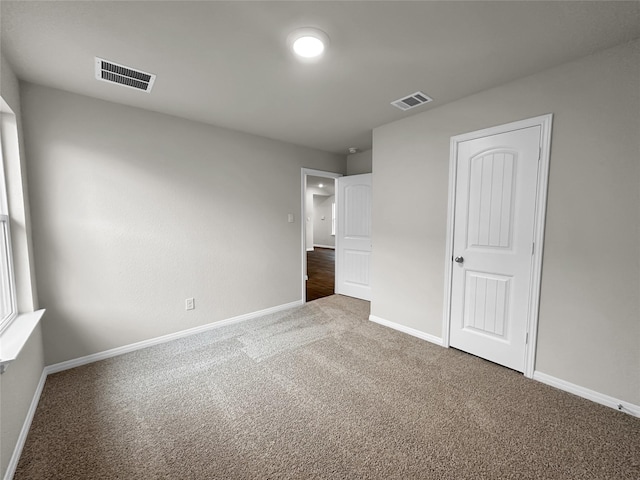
{"points": [[412, 101], [126, 76]]}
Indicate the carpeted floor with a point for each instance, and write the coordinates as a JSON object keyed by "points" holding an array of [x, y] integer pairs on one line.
{"points": [[318, 392]]}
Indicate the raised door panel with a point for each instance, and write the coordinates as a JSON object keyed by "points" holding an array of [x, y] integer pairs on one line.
{"points": [[487, 304], [491, 199], [357, 200], [356, 267]]}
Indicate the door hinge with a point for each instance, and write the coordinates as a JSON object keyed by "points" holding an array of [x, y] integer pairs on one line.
{"points": [[526, 339], [539, 153], [533, 248]]}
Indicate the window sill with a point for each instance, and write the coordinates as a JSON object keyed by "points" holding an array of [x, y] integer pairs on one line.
{"points": [[16, 335]]}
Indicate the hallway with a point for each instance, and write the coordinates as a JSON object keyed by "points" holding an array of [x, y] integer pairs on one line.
{"points": [[321, 273]]}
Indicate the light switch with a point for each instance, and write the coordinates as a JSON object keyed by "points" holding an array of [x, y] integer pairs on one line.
{"points": [[290, 218]]}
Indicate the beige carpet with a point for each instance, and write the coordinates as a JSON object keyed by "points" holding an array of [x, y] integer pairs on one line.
{"points": [[318, 392]]}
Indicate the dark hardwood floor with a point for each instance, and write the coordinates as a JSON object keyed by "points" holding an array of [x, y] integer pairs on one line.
{"points": [[321, 272]]}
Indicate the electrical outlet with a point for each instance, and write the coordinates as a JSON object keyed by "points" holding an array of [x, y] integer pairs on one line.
{"points": [[190, 304]]}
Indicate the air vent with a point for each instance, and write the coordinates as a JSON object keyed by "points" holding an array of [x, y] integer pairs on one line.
{"points": [[126, 76], [413, 100]]}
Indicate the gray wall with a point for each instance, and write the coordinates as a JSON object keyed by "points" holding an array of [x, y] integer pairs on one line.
{"points": [[322, 228], [19, 383], [361, 162], [136, 211], [589, 333]]}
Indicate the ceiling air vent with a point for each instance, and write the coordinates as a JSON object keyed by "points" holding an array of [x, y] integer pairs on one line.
{"points": [[126, 76], [413, 100]]}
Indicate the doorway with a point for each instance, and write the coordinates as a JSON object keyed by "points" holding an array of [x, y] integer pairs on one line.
{"points": [[318, 233], [497, 199]]}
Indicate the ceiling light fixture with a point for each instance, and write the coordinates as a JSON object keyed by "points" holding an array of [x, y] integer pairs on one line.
{"points": [[321, 185], [308, 43], [308, 47]]}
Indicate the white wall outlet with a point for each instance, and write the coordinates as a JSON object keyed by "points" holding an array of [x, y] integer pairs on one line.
{"points": [[190, 304], [290, 218]]}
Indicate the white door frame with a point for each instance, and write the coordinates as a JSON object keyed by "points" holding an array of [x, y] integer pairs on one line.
{"points": [[303, 219], [545, 123]]}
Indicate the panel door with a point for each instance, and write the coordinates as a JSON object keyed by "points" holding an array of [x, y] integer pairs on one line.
{"points": [[493, 245], [353, 259]]}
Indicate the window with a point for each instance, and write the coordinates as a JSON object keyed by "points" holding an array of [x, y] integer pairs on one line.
{"points": [[15, 327], [8, 310]]}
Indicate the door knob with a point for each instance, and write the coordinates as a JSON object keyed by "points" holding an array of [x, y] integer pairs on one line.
{"points": [[459, 259]]}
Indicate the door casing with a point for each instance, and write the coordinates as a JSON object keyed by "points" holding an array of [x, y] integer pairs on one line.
{"points": [[545, 123]]}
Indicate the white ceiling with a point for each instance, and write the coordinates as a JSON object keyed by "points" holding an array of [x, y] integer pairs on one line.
{"points": [[226, 63]]}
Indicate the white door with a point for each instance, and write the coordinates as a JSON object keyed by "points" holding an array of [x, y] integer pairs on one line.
{"points": [[353, 242], [493, 244]]}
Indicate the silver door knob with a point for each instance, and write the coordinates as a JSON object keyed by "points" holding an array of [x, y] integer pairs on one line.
{"points": [[459, 259]]}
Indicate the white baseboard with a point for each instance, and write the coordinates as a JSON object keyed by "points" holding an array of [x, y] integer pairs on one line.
{"points": [[411, 331], [310, 249], [114, 352], [332, 247], [592, 395], [22, 438]]}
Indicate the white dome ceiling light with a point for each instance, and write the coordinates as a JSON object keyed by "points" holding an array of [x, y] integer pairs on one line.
{"points": [[308, 44]]}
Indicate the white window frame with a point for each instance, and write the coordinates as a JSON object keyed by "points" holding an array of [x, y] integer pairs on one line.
{"points": [[7, 274]]}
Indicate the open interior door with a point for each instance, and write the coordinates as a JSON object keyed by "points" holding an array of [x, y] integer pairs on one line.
{"points": [[353, 236]]}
